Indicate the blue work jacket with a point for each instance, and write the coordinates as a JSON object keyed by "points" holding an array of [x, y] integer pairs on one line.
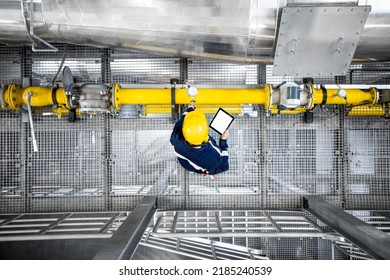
{"points": [[210, 158]]}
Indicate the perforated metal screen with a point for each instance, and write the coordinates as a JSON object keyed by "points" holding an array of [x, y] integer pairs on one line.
{"points": [[105, 163], [102, 163]]}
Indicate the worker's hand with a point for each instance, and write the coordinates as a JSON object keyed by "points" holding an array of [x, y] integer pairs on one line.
{"points": [[225, 135]]}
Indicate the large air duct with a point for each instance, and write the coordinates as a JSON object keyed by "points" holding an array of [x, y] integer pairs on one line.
{"points": [[233, 30]]}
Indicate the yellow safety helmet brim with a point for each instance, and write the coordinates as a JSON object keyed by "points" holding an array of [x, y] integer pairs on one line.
{"points": [[195, 128]]}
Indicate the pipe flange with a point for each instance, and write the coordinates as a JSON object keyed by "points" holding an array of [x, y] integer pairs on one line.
{"points": [[375, 92], [308, 88], [115, 97], [268, 89], [14, 98]]}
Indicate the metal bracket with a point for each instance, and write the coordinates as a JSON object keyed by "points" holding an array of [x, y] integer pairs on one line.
{"points": [[124, 242], [370, 239], [174, 106], [28, 15], [386, 109]]}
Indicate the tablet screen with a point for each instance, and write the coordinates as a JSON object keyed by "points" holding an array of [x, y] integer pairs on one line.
{"points": [[221, 121]]}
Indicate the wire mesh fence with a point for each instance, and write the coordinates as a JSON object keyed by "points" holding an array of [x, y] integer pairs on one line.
{"points": [[109, 163]]}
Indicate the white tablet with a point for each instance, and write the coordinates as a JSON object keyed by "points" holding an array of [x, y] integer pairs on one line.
{"points": [[221, 121]]}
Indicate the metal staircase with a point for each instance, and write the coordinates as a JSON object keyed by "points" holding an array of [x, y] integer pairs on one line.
{"points": [[201, 248]]}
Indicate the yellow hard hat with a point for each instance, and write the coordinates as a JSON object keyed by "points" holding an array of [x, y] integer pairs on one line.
{"points": [[195, 128]]}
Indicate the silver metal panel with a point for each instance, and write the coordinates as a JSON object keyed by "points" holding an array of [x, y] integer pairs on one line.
{"points": [[317, 41]]}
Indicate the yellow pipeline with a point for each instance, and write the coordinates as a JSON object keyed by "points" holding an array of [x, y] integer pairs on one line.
{"points": [[14, 96], [376, 110], [166, 109], [274, 110], [206, 96], [158, 100], [354, 97]]}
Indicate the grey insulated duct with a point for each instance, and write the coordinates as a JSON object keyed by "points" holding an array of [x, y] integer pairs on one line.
{"points": [[234, 30]]}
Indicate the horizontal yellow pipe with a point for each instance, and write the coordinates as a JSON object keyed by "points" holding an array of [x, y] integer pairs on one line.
{"points": [[366, 111], [354, 97], [15, 96], [208, 100], [166, 109], [42, 96], [232, 109], [274, 110], [205, 96]]}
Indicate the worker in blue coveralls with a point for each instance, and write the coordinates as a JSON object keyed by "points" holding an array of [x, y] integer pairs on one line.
{"points": [[196, 150]]}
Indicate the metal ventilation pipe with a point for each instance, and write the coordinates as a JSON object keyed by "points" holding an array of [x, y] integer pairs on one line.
{"points": [[232, 30]]}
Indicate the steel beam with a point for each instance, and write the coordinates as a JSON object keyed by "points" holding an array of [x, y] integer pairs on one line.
{"points": [[124, 241], [370, 239], [217, 234]]}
